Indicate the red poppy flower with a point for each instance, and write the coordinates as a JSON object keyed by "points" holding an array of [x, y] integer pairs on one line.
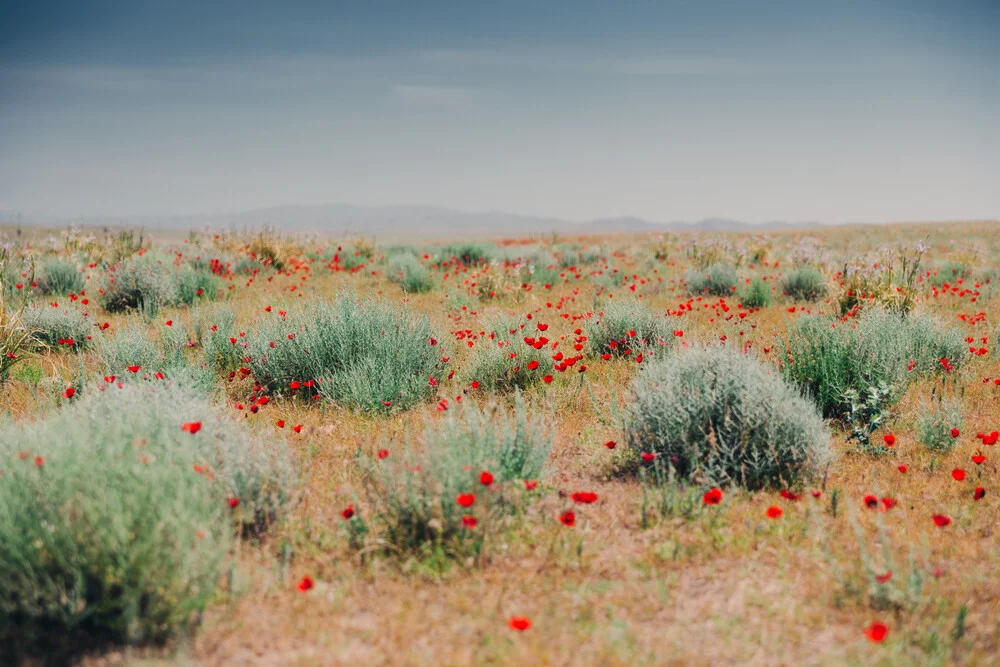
{"points": [[889, 439], [774, 512], [470, 522], [485, 478], [648, 457], [941, 520], [306, 583], [530, 484], [568, 518], [877, 631], [39, 461], [584, 497], [69, 393], [978, 458], [788, 495], [465, 499], [348, 512], [280, 423], [871, 502], [519, 623], [903, 469], [547, 379], [191, 427], [958, 474], [611, 444], [882, 578], [889, 503], [979, 493], [297, 428], [134, 369], [955, 433], [712, 497], [532, 365], [234, 502]]}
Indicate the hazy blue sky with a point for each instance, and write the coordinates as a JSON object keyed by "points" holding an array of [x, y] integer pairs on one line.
{"points": [[842, 110]]}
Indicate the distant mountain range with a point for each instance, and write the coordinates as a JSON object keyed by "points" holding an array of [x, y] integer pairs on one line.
{"points": [[408, 222]]}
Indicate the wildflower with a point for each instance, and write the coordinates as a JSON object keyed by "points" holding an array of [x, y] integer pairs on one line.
{"points": [[465, 499], [712, 497], [383, 454], [903, 469], [234, 502], [470, 522], [979, 493], [348, 512], [871, 502], [69, 393], [134, 369], [191, 427], [519, 623], [611, 444], [941, 520], [584, 497], [306, 583], [876, 632], [530, 484], [648, 457], [955, 433], [568, 518], [485, 478], [547, 379], [958, 474], [883, 578], [774, 512], [889, 439]]}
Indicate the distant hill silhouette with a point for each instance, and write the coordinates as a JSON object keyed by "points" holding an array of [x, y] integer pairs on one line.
{"points": [[412, 222]]}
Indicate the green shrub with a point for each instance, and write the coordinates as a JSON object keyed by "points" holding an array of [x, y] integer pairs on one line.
{"points": [[222, 346], [406, 270], [412, 492], [935, 424], [495, 370], [361, 354], [827, 357], [59, 277], [469, 253], [193, 286], [804, 284], [115, 523], [719, 417], [628, 327], [717, 280], [949, 272], [757, 294], [140, 284], [57, 327]]}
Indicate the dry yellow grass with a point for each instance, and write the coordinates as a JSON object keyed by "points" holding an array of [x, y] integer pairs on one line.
{"points": [[736, 589]]}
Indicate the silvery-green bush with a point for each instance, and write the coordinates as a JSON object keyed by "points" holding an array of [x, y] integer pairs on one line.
{"points": [[115, 522], [829, 358], [49, 325], [628, 326], [804, 284], [720, 417], [358, 353], [719, 279]]}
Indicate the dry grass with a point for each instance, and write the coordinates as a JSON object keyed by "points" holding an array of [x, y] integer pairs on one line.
{"points": [[723, 588]]}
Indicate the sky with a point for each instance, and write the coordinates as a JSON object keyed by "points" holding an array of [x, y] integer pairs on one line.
{"points": [[800, 110]]}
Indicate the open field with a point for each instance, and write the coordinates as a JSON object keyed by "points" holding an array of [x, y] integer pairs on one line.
{"points": [[333, 508]]}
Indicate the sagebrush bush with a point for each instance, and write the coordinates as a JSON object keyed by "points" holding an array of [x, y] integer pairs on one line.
{"points": [[139, 285], [412, 492], [363, 354], [494, 369], [804, 284], [469, 253], [57, 276], [115, 522], [193, 286], [628, 328], [719, 417], [61, 327], [828, 358], [719, 279], [406, 271], [757, 294], [222, 346]]}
